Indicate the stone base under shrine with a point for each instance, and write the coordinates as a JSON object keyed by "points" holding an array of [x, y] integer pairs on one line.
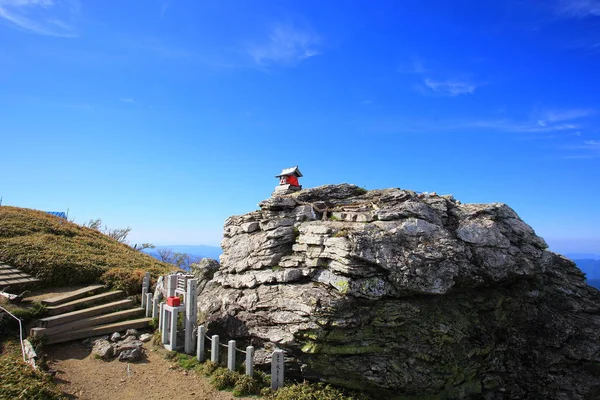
{"points": [[285, 189]]}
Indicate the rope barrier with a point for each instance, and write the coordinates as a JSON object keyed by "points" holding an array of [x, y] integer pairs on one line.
{"points": [[20, 332]]}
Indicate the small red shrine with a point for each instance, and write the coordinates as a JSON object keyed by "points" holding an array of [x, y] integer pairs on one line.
{"points": [[288, 180]]}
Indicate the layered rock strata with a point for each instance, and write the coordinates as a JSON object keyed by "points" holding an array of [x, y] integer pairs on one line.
{"points": [[403, 294]]}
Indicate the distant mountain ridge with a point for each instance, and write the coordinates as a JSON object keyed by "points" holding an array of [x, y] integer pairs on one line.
{"points": [[197, 251], [590, 265]]}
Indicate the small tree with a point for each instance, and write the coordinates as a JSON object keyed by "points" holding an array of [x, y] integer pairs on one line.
{"points": [[120, 235], [180, 260]]}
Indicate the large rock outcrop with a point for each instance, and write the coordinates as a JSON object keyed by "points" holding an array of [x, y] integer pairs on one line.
{"points": [[403, 294]]}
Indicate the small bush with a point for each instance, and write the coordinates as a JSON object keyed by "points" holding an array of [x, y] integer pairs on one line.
{"points": [[157, 338], [306, 391], [124, 279], [187, 362], [208, 368], [341, 233], [246, 385], [170, 355], [222, 378]]}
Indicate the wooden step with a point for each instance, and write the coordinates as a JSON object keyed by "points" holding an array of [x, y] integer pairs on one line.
{"points": [[98, 330], [69, 317], [89, 322], [18, 281], [74, 295], [85, 302]]}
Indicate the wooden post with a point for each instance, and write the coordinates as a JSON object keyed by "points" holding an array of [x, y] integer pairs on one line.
{"points": [[214, 349], [250, 361], [191, 307], [200, 347], [231, 355], [277, 370], [148, 304], [171, 285]]}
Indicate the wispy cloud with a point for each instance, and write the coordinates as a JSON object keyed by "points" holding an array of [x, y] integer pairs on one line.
{"points": [[44, 17], [585, 150], [578, 8], [128, 100], [450, 87], [285, 45], [566, 114]]}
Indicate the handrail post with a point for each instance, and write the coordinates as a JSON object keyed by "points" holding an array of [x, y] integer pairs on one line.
{"points": [[231, 355], [214, 349], [250, 361], [200, 347]]}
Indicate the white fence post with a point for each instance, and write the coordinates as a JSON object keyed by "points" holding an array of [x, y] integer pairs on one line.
{"points": [[173, 330], [171, 285], [155, 307], [148, 304], [164, 323], [191, 306], [145, 288], [214, 349], [250, 361], [200, 347], [231, 355], [277, 370]]}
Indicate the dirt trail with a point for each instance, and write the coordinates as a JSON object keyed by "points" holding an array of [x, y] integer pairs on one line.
{"points": [[87, 378]]}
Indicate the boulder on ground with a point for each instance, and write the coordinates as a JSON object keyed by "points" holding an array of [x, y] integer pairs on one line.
{"points": [[406, 294]]}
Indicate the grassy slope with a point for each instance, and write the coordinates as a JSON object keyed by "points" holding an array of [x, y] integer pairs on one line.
{"points": [[62, 253], [19, 380]]}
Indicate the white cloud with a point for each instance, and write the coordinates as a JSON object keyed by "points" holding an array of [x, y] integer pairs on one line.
{"points": [[127, 100], [285, 45], [579, 8], [566, 115], [44, 17], [587, 149], [450, 87]]}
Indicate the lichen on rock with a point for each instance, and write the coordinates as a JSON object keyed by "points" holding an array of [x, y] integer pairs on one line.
{"points": [[403, 294]]}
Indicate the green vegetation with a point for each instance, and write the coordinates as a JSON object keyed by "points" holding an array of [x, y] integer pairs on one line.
{"points": [[259, 385], [342, 233], [306, 391], [19, 380], [61, 253]]}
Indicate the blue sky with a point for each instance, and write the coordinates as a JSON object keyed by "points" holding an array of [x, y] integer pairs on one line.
{"points": [[169, 116]]}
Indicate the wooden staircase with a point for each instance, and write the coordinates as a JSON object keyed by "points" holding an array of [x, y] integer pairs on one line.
{"points": [[11, 276], [88, 312]]}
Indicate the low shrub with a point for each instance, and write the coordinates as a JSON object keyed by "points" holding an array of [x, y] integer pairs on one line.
{"points": [[207, 368], [222, 378], [306, 391], [187, 362], [246, 386], [124, 279], [20, 381]]}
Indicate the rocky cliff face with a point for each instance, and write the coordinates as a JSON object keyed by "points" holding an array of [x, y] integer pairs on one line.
{"points": [[403, 294]]}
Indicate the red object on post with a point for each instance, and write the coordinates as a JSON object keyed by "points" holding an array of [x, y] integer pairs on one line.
{"points": [[173, 301]]}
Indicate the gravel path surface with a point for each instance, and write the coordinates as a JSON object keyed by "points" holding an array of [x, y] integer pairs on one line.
{"points": [[88, 378]]}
